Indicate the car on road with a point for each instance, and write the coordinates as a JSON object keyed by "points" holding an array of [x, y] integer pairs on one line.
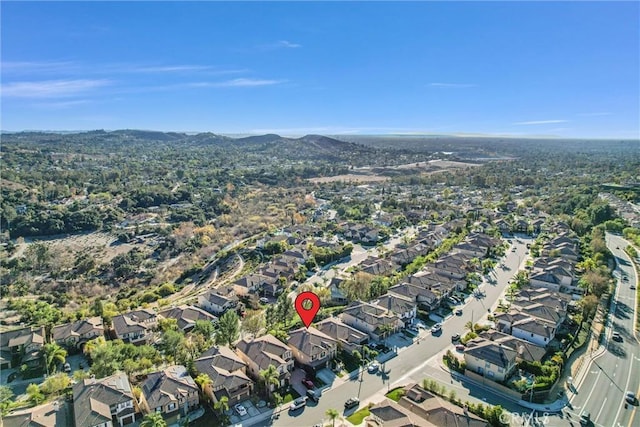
{"points": [[300, 402], [513, 249], [458, 312], [625, 278], [313, 395], [455, 337], [616, 336], [630, 397], [632, 287], [436, 328], [373, 367], [460, 347], [308, 383], [585, 418], [351, 402], [240, 409], [66, 367]]}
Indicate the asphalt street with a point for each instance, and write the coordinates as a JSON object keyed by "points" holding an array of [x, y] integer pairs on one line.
{"points": [[617, 369], [412, 363]]}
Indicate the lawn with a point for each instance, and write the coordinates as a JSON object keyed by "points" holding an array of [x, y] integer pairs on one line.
{"points": [[357, 417], [396, 394], [350, 362], [290, 396]]}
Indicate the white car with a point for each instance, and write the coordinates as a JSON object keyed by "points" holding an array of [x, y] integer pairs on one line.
{"points": [[373, 367], [241, 410], [436, 328]]}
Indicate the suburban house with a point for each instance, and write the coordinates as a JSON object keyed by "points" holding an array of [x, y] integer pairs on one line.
{"points": [[534, 330], [259, 353], [405, 308], [311, 347], [187, 316], [376, 321], [426, 299], [418, 407], [545, 279], [378, 266], [349, 339], [228, 374], [46, 415], [490, 359], [337, 296], [75, 335], [524, 349], [218, 301], [171, 392], [135, 326], [21, 346], [249, 284], [105, 402]]}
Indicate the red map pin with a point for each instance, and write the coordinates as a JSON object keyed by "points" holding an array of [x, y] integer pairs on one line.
{"points": [[307, 306]]}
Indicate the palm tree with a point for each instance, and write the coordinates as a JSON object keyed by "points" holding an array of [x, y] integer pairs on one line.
{"points": [[333, 414], [222, 405], [270, 376], [91, 345], [203, 380], [53, 355], [469, 326], [153, 419]]}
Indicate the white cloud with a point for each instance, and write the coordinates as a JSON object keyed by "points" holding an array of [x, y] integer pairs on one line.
{"points": [[57, 105], [51, 88], [288, 44], [246, 83], [452, 85], [540, 122]]}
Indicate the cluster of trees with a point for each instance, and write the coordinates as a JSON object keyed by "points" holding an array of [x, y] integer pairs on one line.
{"points": [[108, 357]]}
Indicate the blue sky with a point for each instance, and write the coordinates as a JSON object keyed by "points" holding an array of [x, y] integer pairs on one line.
{"points": [[541, 68]]}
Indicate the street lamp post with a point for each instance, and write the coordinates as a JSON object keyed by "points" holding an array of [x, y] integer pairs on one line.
{"points": [[532, 386]]}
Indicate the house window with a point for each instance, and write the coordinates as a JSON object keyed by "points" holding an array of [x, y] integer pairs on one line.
{"points": [[323, 354], [491, 374], [159, 409], [172, 406], [531, 335]]}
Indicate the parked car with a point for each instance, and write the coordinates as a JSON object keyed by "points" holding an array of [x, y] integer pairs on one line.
{"points": [[460, 347], [632, 287], [458, 312], [455, 337], [352, 402], [241, 410], [585, 418], [373, 367], [616, 337], [313, 395], [264, 300], [308, 383], [300, 402], [436, 328], [66, 367]]}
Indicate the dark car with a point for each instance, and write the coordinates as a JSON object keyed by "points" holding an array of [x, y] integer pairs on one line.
{"points": [[616, 337], [308, 383], [352, 402], [455, 337]]}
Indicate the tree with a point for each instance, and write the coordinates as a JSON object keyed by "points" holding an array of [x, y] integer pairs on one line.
{"points": [[204, 328], [332, 414], [34, 393], [53, 355], [284, 308], [153, 419], [589, 305], [203, 381], [253, 322], [172, 342], [55, 384], [222, 405], [270, 376], [228, 328], [6, 394]]}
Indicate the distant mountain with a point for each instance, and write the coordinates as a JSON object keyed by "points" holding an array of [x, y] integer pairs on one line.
{"points": [[259, 139]]}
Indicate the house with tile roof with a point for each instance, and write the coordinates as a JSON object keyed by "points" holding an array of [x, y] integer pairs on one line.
{"points": [[311, 347], [75, 335], [135, 327], [21, 346], [259, 353], [187, 316], [227, 372], [349, 339], [374, 320], [171, 392], [97, 403]]}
